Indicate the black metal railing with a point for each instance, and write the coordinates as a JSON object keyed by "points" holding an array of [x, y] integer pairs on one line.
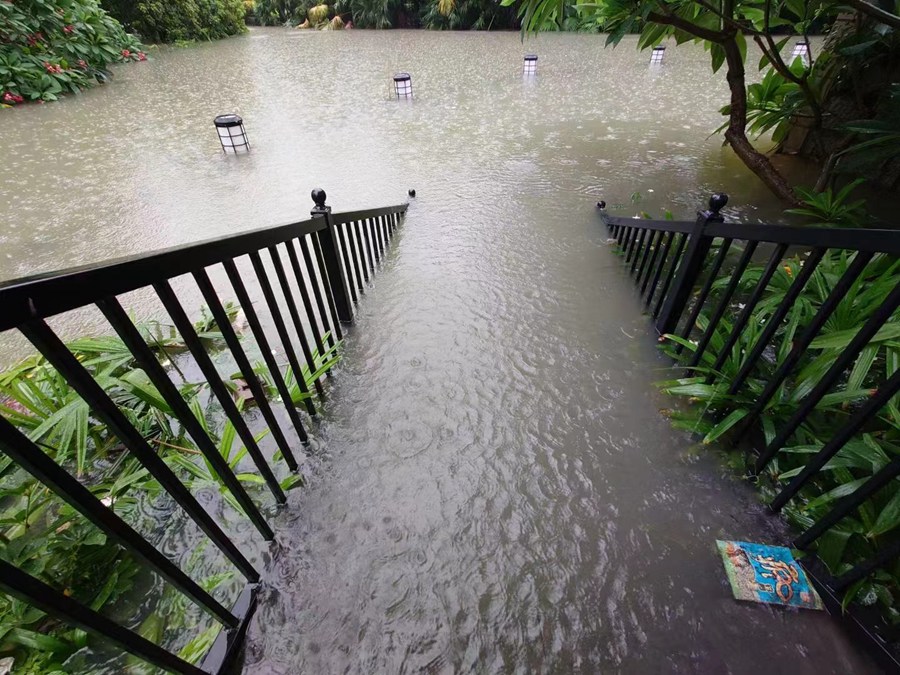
{"points": [[329, 259], [702, 282]]}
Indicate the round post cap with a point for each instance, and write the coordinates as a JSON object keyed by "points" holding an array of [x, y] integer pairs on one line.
{"points": [[228, 120], [318, 196], [717, 202]]}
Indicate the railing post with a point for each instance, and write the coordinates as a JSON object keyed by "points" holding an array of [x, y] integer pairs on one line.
{"points": [[333, 267], [691, 265]]}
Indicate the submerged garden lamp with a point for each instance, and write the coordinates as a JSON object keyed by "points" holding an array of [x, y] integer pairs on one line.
{"points": [[656, 56], [801, 49], [232, 134], [403, 85], [529, 67]]}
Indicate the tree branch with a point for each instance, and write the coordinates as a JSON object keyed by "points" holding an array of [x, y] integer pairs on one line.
{"points": [[670, 19], [743, 27], [875, 12]]}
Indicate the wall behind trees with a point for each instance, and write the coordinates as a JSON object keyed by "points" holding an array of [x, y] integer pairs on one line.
{"points": [[179, 20]]}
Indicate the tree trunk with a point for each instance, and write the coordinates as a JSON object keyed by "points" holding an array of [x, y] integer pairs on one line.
{"points": [[736, 133]]}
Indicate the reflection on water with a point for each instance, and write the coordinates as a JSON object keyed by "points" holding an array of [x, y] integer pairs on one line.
{"points": [[492, 488]]}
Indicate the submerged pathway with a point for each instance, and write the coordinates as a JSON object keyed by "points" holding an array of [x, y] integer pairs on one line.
{"points": [[495, 489]]}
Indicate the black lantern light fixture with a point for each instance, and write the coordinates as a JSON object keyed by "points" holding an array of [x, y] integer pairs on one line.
{"points": [[656, 56], [403, 85], [529, 66], [801, 50], [232, 134]]}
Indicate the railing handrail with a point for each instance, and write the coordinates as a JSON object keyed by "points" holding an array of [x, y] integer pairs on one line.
{"points": [[310, 274], [867, 239], [50, 293], [685, 262]]}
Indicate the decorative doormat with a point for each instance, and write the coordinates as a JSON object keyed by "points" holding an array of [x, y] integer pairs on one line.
{"points": [[769, 574]]}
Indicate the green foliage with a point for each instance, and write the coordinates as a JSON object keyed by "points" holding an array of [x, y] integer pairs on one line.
{"points": [[280, 12], [371, 13], [180, 20], [772, 106], [50, 540], [715, 414], [466, 14], [876, 140], [52, 47], [829, 209]]}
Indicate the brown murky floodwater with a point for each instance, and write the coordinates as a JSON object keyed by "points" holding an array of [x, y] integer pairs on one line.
{"points": [[492, 488]]}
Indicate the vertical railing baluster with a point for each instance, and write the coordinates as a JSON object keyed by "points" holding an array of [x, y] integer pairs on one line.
{"points": [[354, 255], [373, 227], [304, 296], [638, 249], [148, 362], [657, 246], [704, 292], [319, 285], [295, 317], [801, 344], [33, 460], [647, 249], [217, 385], [56, 353], [868, 410], [387, 230], [841, 363], [259, 334], [626, 241], [358, 229], [35, 592], [659, 268], [670, 275], [381, 241], [692, 265], [281, 328], [775, 320], [719, 312], [366, 230], [341, 238], [888, 553], [742, 319]]}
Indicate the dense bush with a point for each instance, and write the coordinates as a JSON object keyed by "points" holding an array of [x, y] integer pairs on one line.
{"points": [[51, 47], [180, 20]]}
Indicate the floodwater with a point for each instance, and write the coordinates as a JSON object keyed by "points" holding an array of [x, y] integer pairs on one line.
{"points": [[491, 486]]}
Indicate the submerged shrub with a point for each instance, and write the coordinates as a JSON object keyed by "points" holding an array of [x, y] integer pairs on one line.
{"points": [[52, 47]]}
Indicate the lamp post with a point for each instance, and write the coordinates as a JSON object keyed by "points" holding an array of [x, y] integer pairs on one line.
{"points": [[232, 134], [656, 56], [403, 85], [529, 66], [801, 50]]}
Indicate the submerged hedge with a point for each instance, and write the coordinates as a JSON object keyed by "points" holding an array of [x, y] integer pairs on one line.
{"points": [[180, 20], [52, 47]]}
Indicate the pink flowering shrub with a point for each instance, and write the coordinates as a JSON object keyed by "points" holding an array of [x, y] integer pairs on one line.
{"points": [[49, 48]]}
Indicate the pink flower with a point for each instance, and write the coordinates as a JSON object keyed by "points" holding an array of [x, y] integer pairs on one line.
{"points": [[126, 53], [142, 56], [68, 30], [82, 64]]}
